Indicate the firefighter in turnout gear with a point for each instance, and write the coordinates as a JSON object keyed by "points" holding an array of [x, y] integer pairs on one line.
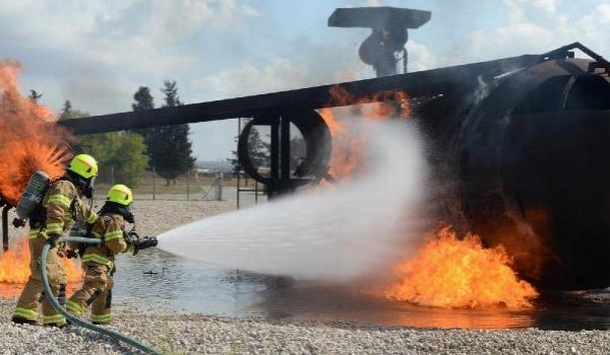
{"points": [[61, 205], [98, 260]]}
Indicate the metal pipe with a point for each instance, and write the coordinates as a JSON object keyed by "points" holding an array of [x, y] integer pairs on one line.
{"points": [[5, 227]]}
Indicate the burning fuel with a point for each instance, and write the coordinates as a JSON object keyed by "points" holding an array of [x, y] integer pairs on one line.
{"points": [[349, 137], [14, 265], [460, 273], [447, 271], [30, 142], [365, 228]]}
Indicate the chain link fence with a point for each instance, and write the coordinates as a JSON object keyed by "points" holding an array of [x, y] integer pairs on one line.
{"points": [[195, 186]]}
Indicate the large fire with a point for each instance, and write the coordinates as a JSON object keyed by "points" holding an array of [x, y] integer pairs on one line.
{"points": [[14, 265], [448, 271], [28, 142], [460, 273]]}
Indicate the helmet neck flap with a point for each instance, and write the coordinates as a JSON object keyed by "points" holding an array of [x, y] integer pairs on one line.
{"points": [[116, 208]]}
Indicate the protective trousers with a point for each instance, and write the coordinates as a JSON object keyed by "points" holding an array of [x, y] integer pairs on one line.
{"points": [[32, 293], [96, 291]]}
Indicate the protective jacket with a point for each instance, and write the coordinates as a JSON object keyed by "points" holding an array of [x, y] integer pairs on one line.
{"points": [[62, 205], [98, 263], [110, 229]]}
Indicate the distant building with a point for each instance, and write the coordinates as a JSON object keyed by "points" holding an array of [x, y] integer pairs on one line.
{"points": [[211, 168]]}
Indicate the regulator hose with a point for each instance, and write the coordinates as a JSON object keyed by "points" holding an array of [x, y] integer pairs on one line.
{"points": [[73, 319]]}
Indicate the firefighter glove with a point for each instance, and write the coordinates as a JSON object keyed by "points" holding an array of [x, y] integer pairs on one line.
{"points": [[144, 243], [147, 242], [131, 238]]}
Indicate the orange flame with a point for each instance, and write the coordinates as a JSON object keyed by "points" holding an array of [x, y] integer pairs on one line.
{"points": [[30, 141], [447, 272], [14, 265], [382, 104], [347, 151], [452, 273], [349, 138]]}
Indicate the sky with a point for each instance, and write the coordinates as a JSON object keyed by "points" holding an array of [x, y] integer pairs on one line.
{"points": [[97, 53]]}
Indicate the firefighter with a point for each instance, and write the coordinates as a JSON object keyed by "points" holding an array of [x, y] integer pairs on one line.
{"points": [[61, 205], [98, 259]]}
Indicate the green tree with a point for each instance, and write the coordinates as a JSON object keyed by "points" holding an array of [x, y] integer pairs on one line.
{"points": [[143, 99], [119, 154], [68, 114], [259, 151], [168, 147]]}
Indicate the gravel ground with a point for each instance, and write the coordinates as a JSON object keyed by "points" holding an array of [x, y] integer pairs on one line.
{"points": [[205, 334], [201, 334]]}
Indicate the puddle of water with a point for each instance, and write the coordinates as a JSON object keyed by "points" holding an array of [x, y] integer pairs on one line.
{"points": [[164, 282], [158, 282]]}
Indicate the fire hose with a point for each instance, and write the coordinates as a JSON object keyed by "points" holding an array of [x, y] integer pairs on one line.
{"points": [[73, 319]]}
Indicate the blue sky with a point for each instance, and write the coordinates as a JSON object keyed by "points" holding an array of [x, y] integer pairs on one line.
{"points": [[97, 53]]}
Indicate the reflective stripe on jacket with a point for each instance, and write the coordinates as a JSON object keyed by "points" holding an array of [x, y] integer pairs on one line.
{"points": [[109, 228], [63, 204]]}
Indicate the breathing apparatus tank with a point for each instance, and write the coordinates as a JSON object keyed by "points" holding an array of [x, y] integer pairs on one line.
{"points": [[33, 194]]}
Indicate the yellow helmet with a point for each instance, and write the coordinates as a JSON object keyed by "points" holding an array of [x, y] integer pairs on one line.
{"points": [[83, 165], [120, 194]]}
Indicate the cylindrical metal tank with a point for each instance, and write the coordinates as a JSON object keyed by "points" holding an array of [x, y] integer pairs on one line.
{"points": [[533, 165]]}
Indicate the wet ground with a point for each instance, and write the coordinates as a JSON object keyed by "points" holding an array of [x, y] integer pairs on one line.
{"points": [[158, 282]]}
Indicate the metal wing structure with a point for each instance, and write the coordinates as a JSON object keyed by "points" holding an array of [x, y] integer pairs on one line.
{"points": [[520, 150]]}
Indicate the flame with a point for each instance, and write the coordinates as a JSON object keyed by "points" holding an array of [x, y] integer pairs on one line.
{"points": [[14, 265], [29, 142], [349, 137], [447, 272], [452, 273], [381, 105], [347, 150]]}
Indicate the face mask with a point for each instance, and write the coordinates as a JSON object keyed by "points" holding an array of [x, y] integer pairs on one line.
{"points": [[113, 207], [88, 192], [85, 186], [127, 214]]}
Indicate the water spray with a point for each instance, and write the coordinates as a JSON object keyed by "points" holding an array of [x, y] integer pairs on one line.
{"points": [[340, 233]]}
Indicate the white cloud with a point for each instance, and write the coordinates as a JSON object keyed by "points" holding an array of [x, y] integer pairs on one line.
{"points": [[171, 22], [527, 33], [546, 5], [97, 53], [420, 57], [249, 79], [592, 30], [519, 8]]}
